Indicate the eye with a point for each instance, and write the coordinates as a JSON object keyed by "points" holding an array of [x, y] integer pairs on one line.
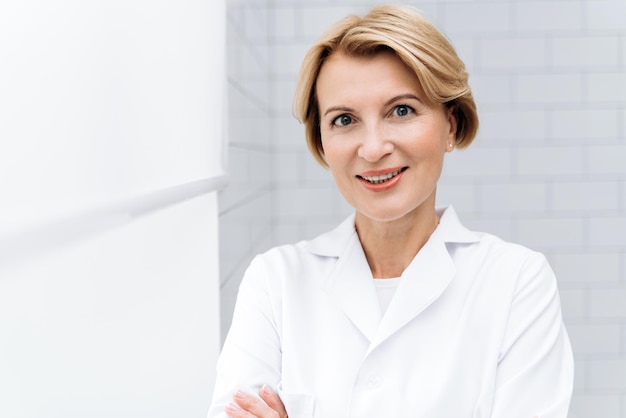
{"points": [[402, 110], [342, 120]]}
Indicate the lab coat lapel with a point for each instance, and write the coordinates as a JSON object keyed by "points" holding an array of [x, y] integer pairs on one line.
{"points": [[350, 284], [423, 281], [428, 275]]}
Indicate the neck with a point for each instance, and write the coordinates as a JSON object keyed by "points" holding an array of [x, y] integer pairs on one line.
{"points": [[390, 246]]}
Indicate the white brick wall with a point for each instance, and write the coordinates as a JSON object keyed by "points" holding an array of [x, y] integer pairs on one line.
{"points": [[246, 205], [548, 168], [511, 54]]}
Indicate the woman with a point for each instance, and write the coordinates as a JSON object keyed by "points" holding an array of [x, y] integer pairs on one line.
{"points": [[400, 311]]}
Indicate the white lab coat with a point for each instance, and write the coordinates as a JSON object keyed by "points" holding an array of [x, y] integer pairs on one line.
{"points": [[474, 330]]}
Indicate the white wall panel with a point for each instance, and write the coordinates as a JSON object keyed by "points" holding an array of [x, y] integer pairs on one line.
{"points": [[112, 128], [101, 100], [121, 324]]}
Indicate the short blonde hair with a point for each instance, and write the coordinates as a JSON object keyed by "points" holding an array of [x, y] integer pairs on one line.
{"points": [[417, 42]]}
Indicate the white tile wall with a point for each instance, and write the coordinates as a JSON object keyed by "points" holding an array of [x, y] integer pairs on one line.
{"points": [[605, 15], [246, 205], [513, 198], [582, 196], [608, 232], [471, 163], [595, 338], [513, 125], [585, 52], [487, 18], [608, 374], [492, 91], [547, 16], [574, 306], [584, 125], [606, 87], [547, 88], [510, 53], [548, 161], [596, 268], [608, 159], [548, 233], [548, 168], [596, 405]]}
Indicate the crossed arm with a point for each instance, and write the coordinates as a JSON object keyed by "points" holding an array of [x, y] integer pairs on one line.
{"points": [[248, 406]]}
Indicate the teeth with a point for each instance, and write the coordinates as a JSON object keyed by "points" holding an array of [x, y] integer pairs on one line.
{"points": [[383, 178]]}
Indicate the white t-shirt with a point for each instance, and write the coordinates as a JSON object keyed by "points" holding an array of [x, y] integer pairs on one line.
{"points": [[385, 289]]}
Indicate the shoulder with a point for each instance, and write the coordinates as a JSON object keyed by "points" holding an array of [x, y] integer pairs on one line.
{"points": [[498, 248], [455, 234], [486, 255], [512, 268], [307, 256]]}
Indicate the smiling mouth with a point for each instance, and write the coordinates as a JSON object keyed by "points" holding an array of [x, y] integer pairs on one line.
{"points": [[382, 178]]}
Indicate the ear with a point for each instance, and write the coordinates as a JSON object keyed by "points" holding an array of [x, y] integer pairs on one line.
{"points": [[452, 126]]}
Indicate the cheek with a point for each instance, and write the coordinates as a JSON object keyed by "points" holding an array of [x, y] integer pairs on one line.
{"points": [[334, 151], [426, 142], [424, 149]]}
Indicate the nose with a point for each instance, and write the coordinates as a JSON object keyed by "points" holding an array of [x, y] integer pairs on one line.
{"points": [[375, 144]]}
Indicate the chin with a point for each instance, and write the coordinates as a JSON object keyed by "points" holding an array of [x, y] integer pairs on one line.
{"points": [[389, 211], [392, 214]]}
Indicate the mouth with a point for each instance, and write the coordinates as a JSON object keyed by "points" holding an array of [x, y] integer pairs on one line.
{"points": [[382, 178]]}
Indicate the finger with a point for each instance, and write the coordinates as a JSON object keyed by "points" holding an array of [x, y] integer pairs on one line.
{"points": [[272, 400], [254, 406], [234, 411]]}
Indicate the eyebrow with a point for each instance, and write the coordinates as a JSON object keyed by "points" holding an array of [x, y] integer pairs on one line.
{"points": [[387, 103], [337, 108], [403, 96]]}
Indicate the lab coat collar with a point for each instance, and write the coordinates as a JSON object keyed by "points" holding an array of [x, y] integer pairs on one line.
{"points": [[351, 286], [333, 243], [451, 230]]}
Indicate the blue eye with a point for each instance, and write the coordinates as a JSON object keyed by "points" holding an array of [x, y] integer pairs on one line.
{"points": [[402, 110], [342, 120]]}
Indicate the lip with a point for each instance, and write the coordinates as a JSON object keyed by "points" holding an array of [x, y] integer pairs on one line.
{"points": [[379, 172], [381, 187]]}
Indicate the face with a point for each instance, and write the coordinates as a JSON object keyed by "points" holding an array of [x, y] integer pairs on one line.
{"points": [[383, 139]]}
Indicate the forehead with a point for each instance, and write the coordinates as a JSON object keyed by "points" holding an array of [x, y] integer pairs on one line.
{"points": [[354, 78]]}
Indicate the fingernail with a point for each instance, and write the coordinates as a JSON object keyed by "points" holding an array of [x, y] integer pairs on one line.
{"points": [[240, 394], [233, 407], [267, 390]]}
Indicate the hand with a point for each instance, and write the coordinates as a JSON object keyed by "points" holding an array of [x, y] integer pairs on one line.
{"points": [[248, 406]]}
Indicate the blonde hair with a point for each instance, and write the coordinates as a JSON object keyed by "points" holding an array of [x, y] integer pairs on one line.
{"points": [[417, 42]]}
